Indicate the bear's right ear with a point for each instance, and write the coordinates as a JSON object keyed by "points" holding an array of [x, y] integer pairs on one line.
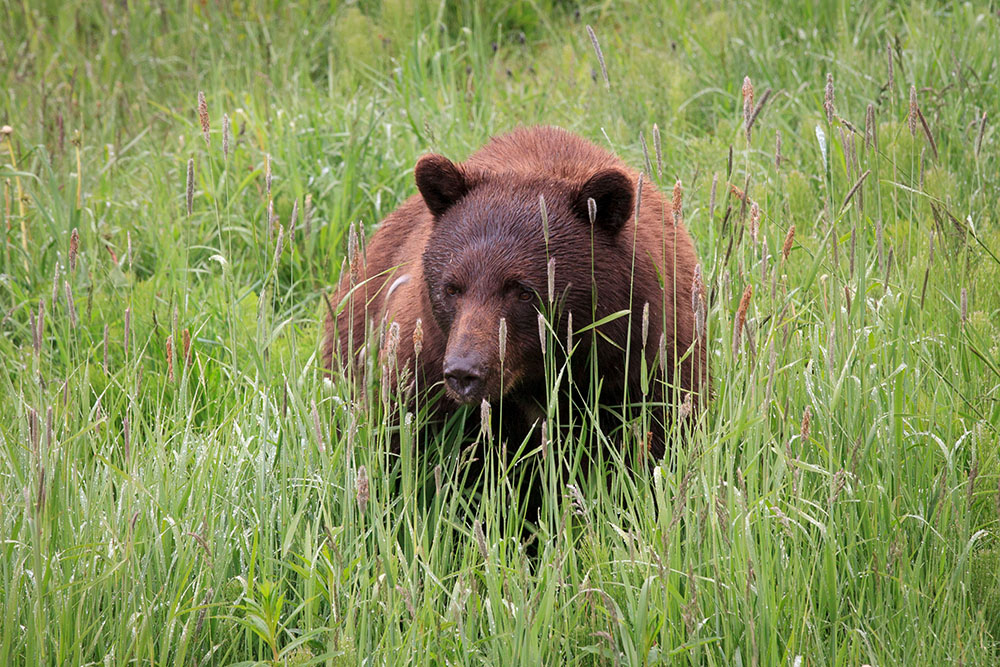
{"points": [[441, 183], [612, 192]]}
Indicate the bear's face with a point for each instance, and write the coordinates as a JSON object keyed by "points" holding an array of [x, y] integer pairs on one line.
{"points": [[487, 260]]}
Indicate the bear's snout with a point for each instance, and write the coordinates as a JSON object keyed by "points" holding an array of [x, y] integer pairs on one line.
{"points": [[470, 357], [465, 375]]}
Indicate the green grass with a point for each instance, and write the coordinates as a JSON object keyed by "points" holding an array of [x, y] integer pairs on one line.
{"points": [[214, 517]]}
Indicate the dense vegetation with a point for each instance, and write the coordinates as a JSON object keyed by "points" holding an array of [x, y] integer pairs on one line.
{"points": [[180, 485]]}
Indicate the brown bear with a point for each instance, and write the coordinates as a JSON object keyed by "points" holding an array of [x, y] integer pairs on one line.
{"points": [[475, 246]]}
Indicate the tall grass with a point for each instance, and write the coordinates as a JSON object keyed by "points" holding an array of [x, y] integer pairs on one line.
{"points": [[179, 484]]}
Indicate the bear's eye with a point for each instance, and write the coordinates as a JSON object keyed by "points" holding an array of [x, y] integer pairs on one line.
{"points": [[526, 295], [452, 290]]}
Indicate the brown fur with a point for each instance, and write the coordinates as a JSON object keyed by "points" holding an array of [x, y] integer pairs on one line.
{"points": [[476, 228]]}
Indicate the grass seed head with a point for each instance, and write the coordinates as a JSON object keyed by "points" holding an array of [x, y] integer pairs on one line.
{"points": [[777, 149], [871, 128], [741, 318], [578, 501], [806, 425], [392, 345], [189, 190], [747, 103], [677, 202], [786, 247], [74, 248], [503, 338], [659, 152], [600, 56], [738, 193], [485, 420], [638, 194], [856, 190], [645, 323], [541, 331], [353, 247], [828, 99], [279, 245], [687, 406], [754, 221], [912, 119], [203, 117], [34, 432], [186, 341], [477, 532], [418, 337], [544, 213], [267, 175], [551, 276], [756, 112], [170, 357], [226, 131]]}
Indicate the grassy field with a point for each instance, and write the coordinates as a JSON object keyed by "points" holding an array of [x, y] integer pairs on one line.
{"points": [[179, 485]]}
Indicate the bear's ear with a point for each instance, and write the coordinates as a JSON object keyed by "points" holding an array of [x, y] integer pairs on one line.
{"points": [[612, 192], [441, 183]]}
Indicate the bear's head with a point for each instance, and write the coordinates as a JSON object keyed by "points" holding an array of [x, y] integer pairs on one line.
{"points": [[487, 259]]}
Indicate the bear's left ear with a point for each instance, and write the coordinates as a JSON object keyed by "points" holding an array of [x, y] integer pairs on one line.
{"points": [[441, 183], [612, 192]]}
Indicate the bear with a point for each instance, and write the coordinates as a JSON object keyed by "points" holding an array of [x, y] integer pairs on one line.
{"points": [[474, 252]]}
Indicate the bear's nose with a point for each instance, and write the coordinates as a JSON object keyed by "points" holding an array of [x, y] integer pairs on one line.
{"points": [[465, 377]]}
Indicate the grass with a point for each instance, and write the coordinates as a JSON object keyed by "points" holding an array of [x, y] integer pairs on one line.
{"points": [[837, 504]]}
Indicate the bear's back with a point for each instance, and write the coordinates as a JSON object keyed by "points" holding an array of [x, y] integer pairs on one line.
{"points": [[543, 151]]}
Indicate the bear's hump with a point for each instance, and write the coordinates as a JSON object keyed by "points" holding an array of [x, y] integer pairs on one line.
{"points": [[544, 151]]}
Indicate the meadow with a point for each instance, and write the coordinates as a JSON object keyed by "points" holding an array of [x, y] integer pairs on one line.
{"points": [[181, 485]]}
